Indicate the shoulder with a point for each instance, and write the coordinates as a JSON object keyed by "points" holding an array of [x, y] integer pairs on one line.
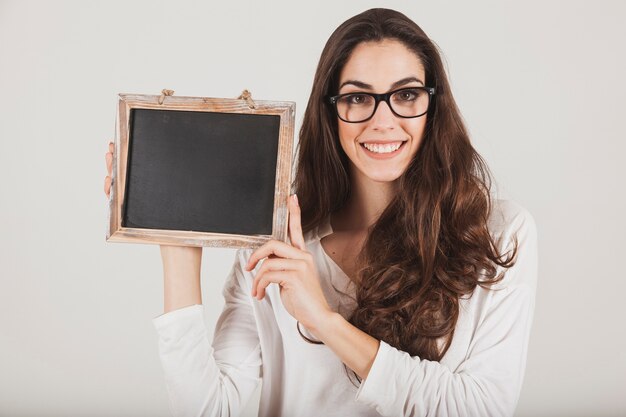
{"points": [[513, 227], [508, 219]]}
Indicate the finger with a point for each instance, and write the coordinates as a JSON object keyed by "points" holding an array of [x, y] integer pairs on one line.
{"points": [[273, 277], [107, 185], [277, 264], [281, 264], [111, 147], [295, 226], [109, 160], [274, 247]]}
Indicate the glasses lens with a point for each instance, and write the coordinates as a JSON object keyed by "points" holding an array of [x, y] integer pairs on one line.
{"points": [[410, 102], [355, 107]]}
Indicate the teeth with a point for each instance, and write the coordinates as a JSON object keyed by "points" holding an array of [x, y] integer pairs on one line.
{"points": [[382, 148]]}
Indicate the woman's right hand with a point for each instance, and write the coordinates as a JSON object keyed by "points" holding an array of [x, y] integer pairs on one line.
{"points": [[181, 264]]}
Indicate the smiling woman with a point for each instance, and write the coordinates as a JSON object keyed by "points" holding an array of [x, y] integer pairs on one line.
{"points": [[405, 289]]}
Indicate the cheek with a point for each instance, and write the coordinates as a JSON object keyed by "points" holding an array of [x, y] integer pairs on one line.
{"points": [[415, 128]]}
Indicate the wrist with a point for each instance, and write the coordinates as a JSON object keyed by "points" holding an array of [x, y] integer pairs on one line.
{"points": [[181, 260], [326, 325], [181, 276]]}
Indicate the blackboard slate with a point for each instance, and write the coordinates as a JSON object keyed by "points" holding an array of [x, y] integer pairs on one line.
{"points": [[201, 171]]}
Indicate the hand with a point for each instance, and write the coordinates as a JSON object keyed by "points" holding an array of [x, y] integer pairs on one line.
{"points": [[108, 157], [293, 269]]}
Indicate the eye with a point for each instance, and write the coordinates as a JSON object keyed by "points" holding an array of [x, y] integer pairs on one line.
{"points": [[408, 94], [357, 99]]}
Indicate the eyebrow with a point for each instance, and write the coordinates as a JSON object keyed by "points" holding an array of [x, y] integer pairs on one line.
{"points": [[366, 86]]}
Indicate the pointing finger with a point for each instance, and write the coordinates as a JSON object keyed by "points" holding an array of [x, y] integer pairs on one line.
{"points": [[295, 226]]}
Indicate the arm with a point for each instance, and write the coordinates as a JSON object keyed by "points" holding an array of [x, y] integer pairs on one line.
{"points": [[487, 382], [181, 276], [215, 380]]}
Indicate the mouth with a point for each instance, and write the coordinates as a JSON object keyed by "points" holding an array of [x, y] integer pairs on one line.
{"points": [[383, 150]]}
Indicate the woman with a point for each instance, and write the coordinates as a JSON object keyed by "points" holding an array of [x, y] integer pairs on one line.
{"points": [[404, 291]]}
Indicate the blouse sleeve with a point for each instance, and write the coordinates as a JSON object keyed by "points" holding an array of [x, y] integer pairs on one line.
{"points": [[217, 380], [489, 380]]}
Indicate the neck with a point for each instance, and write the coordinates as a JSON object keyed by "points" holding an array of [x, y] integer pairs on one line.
{"points": [[368, 199]]}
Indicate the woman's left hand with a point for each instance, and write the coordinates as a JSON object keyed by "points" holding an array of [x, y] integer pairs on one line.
{"points": [[291, 267]]}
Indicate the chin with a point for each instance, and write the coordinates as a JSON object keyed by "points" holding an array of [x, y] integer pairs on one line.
{"points": [[384, 177]]}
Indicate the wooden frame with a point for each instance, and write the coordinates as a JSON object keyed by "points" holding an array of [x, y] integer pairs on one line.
{"points": [[127, 102]]}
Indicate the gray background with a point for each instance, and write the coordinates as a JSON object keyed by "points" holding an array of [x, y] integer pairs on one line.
{"points": [[540, 84]]}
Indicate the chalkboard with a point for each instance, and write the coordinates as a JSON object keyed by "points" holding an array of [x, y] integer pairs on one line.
{"points": [[201, 171]]}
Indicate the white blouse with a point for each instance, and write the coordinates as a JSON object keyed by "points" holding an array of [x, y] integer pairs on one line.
{"points": [[480, 375]]}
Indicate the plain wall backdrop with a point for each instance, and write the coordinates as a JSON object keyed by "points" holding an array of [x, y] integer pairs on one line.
{"points": [[540, 84]]}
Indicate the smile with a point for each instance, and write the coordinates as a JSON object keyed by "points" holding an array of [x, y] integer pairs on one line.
{"points": [[383, 148]]}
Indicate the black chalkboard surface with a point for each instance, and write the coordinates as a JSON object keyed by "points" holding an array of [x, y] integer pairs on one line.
{"points": [[201, 172]]}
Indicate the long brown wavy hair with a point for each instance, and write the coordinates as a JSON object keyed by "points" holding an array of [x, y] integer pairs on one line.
{"points": [[431, 245]]}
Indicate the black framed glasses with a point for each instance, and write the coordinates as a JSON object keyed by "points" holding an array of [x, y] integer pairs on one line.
{"points": [[407, 102]]}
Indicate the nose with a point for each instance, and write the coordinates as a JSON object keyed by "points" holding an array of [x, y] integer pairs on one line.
{"points": [[383, 118]]}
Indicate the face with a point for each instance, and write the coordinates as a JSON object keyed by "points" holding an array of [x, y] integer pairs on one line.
{"points": [[379, 67]]}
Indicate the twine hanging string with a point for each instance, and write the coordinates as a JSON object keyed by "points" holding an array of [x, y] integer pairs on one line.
{"points": [[164, 93], [246, 95]]}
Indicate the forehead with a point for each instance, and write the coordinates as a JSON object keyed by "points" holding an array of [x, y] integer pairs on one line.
{"points": [[382, 63]]}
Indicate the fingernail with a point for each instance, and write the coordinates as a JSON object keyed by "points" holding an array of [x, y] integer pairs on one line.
{"points": [[295, 198]]}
